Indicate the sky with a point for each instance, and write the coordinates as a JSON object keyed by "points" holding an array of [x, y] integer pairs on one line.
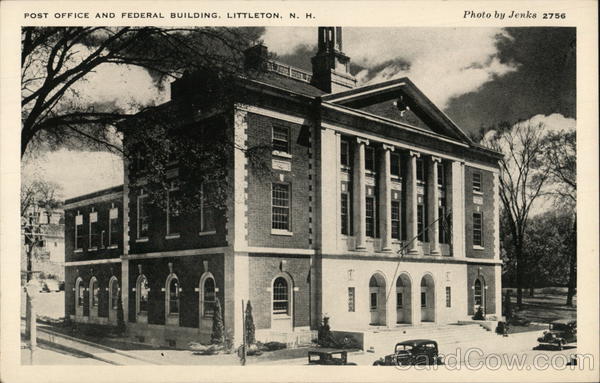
{"points": [[478, 76]]}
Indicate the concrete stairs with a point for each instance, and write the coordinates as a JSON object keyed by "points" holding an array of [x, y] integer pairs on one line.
{"points": [[383, 340]]}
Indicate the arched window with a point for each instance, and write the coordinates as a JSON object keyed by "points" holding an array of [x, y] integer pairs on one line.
{"points": [[208, 297], [478, 293], [80, 291], [94, 292], [142, 294], [281, 297], [173, 294], [114, 293]]}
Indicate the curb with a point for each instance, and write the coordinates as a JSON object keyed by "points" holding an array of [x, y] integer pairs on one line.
{"points": [[95, 345]]}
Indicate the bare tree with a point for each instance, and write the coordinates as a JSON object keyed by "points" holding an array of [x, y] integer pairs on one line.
{"points": [[53, 60], [37, 198], [521, 181]]}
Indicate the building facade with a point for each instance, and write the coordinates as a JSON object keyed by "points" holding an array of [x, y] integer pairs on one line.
{"points": [[377, 210]]}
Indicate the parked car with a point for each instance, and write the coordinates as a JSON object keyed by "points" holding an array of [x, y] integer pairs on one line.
{"points": [[329, 358], [412, 352], [560, 333]]}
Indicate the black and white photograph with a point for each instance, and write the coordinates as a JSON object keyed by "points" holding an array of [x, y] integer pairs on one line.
{"points": [[250, 193]]}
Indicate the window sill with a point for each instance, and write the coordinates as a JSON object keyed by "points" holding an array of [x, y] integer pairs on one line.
{"points": [[281, 317], [113, 247], [281, 154], [345, 168], [475, 247], [281, 232], [475, 192], [142, 239], [172, 236], [93, 249], [78, 251], [203, 233], [370, 173]]}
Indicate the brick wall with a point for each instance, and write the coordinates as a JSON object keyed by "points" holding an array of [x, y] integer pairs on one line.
{"points": [[259, 186], [263, 269], [188, 269], [487, 210], [103, 274], [486, 273], [103, 252]]}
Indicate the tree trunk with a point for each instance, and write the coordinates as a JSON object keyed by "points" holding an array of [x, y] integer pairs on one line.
{"points": [[572, 266], [531, 286], [519, 257]]}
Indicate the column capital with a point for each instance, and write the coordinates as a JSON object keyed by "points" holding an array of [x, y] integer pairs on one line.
{"points": [[412, 153], [388, 147], [436, 159], [361, 140]]}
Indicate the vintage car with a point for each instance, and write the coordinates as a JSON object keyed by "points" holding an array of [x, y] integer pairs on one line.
{"points": [[412, 352], [560, 333], [329, 358]]}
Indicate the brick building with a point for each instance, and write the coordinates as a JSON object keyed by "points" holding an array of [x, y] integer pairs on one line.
{"points": [[378, 211]]}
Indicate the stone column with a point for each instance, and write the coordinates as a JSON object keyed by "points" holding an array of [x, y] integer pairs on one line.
{"points": [[433, 195], [456, 194], [411, 203], [359, 192], [385, 199]]}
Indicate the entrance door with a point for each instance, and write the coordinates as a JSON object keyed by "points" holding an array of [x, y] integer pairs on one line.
{"points": [[427, 299], [377, 300]]}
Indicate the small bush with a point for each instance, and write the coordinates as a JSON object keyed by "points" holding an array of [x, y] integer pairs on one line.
{"points": [[479, 314], [273, 346]]}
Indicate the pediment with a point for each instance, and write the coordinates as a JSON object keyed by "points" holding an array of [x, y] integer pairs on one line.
{"points": [[402, 102]]}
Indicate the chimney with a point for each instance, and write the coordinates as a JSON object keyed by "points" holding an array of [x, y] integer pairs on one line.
{"points": [[331, 71], [254, 57]]}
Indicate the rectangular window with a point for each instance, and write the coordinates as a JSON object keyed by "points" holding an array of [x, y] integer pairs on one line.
{"points": [[143, 219], [477, 182], [113, 230], [420, 170], [369, 158], [395, 165], [373, 301], [344, 153], [281, 139], [399, 300], [370, 216], [141, 160], [442, 224], [351, 302], [477, 229], [207, 209], [448, 297], [94, 236], [79, 234], [173, 209], [396, 219], [441, 176], [281, 206], [345, 213], [421, 223], [423, 299]]}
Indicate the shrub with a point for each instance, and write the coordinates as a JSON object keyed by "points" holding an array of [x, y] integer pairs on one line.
{"points": [[249, 324], [217, 336], [479, 314], [325, 338], [273, 346]]}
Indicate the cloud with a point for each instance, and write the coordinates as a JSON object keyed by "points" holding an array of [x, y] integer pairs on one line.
{"points": [[443, 62], [77, 172]]}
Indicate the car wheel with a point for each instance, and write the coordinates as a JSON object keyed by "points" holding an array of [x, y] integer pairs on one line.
{"points": [[377, 363]]}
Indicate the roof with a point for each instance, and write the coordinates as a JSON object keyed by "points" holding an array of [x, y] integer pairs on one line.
{"points": [[288, 83], [93, 195], [564, 321], [416, 342]]}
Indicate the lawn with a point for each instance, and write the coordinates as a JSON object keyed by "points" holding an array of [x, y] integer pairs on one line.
{"points": [[546, 305]]}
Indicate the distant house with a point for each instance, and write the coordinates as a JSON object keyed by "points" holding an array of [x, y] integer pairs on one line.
{"points": [[379, 211]]}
